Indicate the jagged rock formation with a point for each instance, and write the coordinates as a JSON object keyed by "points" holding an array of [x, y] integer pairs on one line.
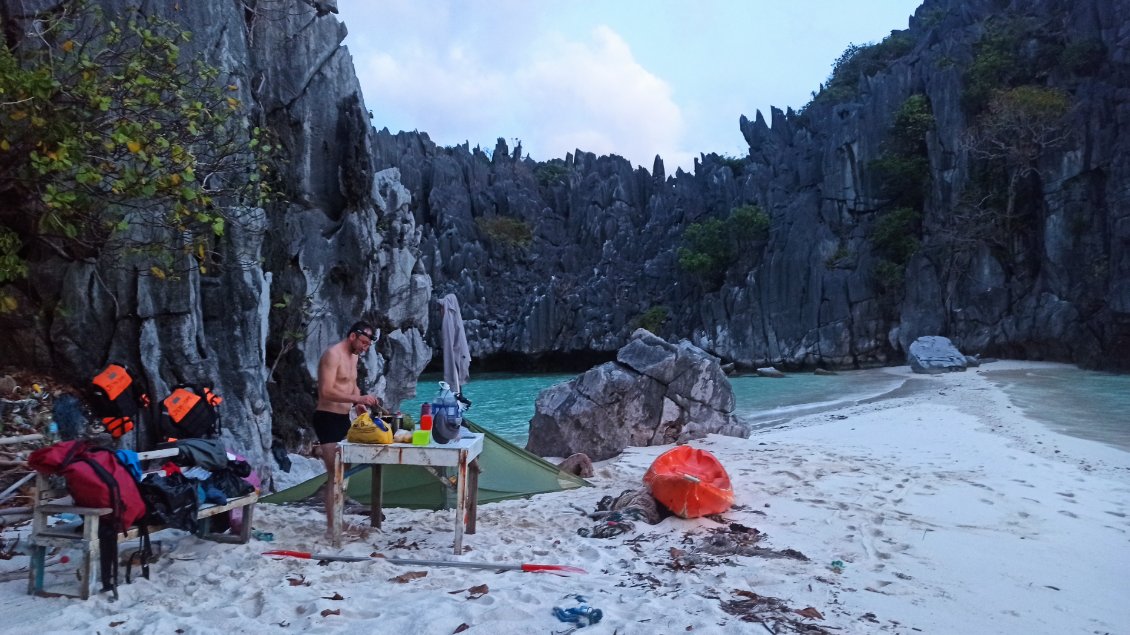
{"points": [[655, 393], [602, 237], [343, 247]]}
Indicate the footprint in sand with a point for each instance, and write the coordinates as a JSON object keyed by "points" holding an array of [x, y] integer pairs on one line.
{"points": [[1067, 513], [987, 501]]}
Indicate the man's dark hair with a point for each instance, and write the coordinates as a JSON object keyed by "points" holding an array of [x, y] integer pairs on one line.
{"points": [[363, 328]]}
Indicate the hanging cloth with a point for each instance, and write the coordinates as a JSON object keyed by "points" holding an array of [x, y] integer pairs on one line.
{"points": [[456, 354]]}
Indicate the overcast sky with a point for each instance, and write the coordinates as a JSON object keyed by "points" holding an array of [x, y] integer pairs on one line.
{"points": [[630, 77]]}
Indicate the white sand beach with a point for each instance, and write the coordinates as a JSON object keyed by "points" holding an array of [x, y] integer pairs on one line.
{"points": [[950, 511]]}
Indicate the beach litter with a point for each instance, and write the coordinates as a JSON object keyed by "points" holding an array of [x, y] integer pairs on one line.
{"points": [[265, 536], [773, 613], [557, 569], [582, 615]]}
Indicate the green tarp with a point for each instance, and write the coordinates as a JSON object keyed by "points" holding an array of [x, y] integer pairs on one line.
{"points": [[508, 471]]}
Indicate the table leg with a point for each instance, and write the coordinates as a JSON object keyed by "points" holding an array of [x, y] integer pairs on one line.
{"points": [[336, 485], [376, 496], [460, 500], [472, 495]]}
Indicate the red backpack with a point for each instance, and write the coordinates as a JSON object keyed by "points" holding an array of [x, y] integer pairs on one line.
{"points": [[95, 478]]}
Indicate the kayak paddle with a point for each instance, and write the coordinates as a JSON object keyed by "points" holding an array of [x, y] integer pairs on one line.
{"points": [[559, 569]]}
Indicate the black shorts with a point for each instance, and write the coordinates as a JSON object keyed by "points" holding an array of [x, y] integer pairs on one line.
{"points": [[330, 426]]}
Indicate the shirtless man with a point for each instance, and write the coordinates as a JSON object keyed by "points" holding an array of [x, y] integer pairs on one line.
{"points": [[337, 392]]}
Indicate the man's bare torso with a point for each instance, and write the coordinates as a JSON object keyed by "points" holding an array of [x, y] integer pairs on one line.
{"points": [[342, 376]]}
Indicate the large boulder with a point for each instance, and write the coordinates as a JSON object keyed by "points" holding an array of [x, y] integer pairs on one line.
{"points": [[655, 393], [932, 354]]}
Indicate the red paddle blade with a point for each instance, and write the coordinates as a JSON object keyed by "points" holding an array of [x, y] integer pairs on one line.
{"points": [[316, 556], [560, 569], [291, 554]]}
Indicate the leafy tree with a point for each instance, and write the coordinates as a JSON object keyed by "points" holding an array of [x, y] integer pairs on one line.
{"points": [[904, 173], [1015, 50], [747, 225], [112, 141], [1019, 126], [712, 246], [707, 251]]}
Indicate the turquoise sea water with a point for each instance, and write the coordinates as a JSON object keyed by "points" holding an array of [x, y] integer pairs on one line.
{"points": [[1080, 403], [1070, 401], [504, 403], [501, 402]]}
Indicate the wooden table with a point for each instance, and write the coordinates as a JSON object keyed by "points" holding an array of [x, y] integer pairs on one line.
{"points": [[460, 454]]}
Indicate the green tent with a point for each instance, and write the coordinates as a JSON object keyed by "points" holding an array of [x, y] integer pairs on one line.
{"points": [[508, 471]]}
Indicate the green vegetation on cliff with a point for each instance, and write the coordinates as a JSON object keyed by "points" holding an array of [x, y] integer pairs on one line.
{"points": [[903, 172], [712, 246], [113, 141]]}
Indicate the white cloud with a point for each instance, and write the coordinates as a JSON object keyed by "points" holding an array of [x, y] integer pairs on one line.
{"points": [[554, 94], [595, 96]]}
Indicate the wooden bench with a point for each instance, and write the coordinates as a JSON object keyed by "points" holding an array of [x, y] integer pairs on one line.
{"points": [[84, 537]]}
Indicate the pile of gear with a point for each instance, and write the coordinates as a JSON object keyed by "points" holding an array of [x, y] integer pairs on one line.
{"points": [[96, 473]]}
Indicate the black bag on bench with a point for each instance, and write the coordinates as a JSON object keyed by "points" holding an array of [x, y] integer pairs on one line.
{"points": [[170, 501]]}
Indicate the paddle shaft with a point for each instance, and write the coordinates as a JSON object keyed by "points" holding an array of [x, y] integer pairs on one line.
{"points": [[429, 563]]}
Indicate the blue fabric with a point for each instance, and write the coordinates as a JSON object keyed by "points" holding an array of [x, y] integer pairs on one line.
{"points": [[215, 495], [129, 459], [582, 615]]}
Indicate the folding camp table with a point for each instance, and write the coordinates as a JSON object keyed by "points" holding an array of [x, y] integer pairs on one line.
{"points": [[460, 454]]}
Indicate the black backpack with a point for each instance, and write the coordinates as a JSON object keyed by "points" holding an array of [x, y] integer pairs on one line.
{"points": [[170, 501], [116, 398], [191, 412]]}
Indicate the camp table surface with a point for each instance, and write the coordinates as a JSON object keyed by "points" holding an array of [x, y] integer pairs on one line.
{"points": [[458, 454]]}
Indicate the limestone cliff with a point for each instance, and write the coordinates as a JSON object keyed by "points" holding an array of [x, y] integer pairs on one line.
{"points": [[601, 238]]}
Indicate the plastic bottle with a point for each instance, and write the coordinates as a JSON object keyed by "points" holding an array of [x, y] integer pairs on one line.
{"points": [[53, 431], [445, 405]]}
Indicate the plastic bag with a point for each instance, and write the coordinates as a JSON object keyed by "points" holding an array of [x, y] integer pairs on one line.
{"points": [[365, 430]]}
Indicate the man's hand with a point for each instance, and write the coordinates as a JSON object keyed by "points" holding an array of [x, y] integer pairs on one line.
{"points": [[368, 401]]}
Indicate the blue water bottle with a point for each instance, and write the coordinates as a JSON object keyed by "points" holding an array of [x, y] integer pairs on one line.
{"points": [[446, 417]]}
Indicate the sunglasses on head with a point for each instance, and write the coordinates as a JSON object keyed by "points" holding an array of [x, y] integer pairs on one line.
{"points": [[371, 336]]}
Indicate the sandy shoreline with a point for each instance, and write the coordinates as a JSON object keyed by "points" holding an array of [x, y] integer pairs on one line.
{"points": [[950, 510]]}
